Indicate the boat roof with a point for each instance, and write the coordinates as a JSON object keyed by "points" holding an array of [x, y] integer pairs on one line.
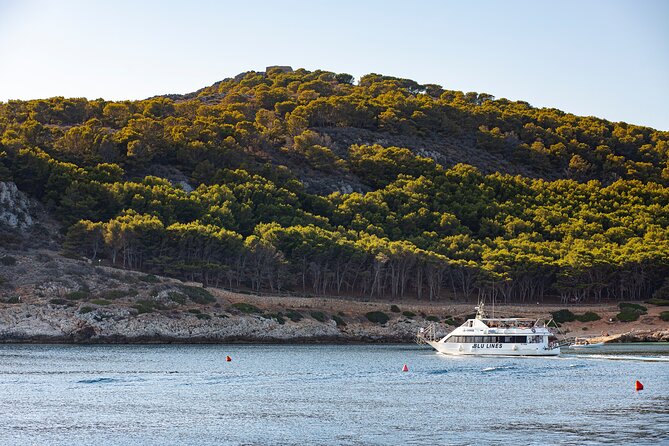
{"points": [[508, 319]]}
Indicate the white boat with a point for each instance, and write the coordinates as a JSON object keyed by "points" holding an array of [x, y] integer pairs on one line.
{"points": [[495, 336], [584, 343]]}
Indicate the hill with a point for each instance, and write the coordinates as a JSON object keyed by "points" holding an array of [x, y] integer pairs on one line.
{"points": [[306, 182]]}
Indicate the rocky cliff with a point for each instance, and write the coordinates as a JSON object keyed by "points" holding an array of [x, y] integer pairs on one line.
{"points": [[15, 207]]}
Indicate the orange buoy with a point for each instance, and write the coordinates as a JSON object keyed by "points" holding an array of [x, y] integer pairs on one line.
{"points": [[228, 359], [405, 368], [638, 386]]}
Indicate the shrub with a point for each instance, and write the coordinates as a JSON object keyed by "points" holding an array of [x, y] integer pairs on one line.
{"points": [[59, 301], [319, 316], [562, 316], [101, 302], [378, 317], [659, 302], [2, 280], [84, 310], [394, 308], [125, 278], [278, 317], [78, 295], [150, 278], [409, 314], [194, 311], [664, 316], [339, 321], [588, 316], [628, 315], [141, 309], [636, 307], [147, 306], [115, 294], [13, 300], [294, 316], [8, 261], [432, 318], [450, 321], [246, 308], [198, 295], [43, 258], [203, 316], [177, 297]]}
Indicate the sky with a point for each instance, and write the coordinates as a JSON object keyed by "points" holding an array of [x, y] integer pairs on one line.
{"points": [[604, 58]]}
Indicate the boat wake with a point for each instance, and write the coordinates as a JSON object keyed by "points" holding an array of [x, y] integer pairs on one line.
{"points": [[576, 366], [97, 381], [501, 367], [626, 358]]}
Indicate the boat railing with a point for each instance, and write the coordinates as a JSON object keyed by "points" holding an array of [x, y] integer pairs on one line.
{"points": [[566, 342], [427, 334]]}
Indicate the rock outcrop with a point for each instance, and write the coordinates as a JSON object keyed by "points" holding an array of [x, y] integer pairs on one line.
{"points": [[15, 207], [656, 335]]}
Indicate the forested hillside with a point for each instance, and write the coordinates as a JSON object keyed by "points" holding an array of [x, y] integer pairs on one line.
{"points": [[308, 182]]}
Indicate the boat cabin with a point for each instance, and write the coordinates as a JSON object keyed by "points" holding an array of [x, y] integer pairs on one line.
{"points": [[500, 323]]}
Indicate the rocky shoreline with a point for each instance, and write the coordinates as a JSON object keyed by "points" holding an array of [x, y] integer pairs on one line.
{"points": [[28, 323], [635, 336], [33, 324]]}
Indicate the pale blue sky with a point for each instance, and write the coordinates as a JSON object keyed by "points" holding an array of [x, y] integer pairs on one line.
{"points": [[604, 58]]}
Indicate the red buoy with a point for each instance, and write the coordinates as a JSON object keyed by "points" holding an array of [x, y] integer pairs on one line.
{"points": [[638, 386], [405, 368], [228, 359]]}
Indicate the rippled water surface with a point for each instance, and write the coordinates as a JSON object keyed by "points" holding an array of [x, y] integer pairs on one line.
{"points": [[327, 394]]}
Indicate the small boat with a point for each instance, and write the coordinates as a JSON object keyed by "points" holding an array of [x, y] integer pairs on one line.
{"points": [[495, 336], [584, 343]]}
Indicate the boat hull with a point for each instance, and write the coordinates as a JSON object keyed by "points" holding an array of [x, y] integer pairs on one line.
{"points": [[451, 348]]}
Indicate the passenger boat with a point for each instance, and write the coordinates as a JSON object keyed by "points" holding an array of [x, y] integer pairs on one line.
{"points": [[495, 336]]}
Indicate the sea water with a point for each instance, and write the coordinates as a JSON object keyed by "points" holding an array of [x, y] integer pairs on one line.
{"points": [[328, 394]]}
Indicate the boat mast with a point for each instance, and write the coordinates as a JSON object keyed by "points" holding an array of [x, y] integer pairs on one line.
{"points": [[480, 310]]}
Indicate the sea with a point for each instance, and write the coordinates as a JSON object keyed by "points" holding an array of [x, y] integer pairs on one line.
{"points": [[329, 395]]}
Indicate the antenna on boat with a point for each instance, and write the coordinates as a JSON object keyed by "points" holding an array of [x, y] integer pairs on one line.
{"points": [[480, 310]]}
